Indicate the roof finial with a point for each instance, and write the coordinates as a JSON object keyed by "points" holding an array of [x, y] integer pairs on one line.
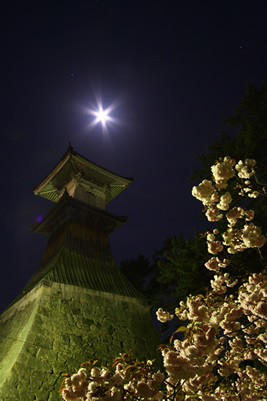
{"points": [[70, 147]]}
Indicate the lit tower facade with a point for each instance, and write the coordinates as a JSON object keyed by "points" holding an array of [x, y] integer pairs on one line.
{"points": [[78, 306]]}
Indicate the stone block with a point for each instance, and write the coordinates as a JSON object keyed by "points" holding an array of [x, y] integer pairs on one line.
{"points": [[75, 341], [64, 339], [87, 322], [70, 319], [43, 341], [62, 334], [26, 394], [35, 381], [93, 328], [59, 367], [76, 311], [54, 397], [46, 354], [32, 349], [111, 329], [44, 311], [73, 363], [41, 395], [40, 321], [31, 338], [13, 379], [115, 349], [9, 394], [37, 364]]}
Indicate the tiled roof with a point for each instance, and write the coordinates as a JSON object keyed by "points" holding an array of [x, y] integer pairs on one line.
{"points": [[78, 251], [73, 163], [81, 256], [70, 208]]}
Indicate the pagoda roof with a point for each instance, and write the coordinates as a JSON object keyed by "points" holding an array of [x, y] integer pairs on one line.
{"points": [[73, 164], [68, 208], [78, 252]]}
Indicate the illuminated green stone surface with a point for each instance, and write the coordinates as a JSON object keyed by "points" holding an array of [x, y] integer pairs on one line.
{"points": [[78, 306], [59, 326]]}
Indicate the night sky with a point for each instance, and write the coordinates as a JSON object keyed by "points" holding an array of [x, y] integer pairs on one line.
{"points": [[171, 70]]}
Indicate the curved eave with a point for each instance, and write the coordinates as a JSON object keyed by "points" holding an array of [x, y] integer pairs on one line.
{"points": [[81, 256], [73, 163], [69, 208]]}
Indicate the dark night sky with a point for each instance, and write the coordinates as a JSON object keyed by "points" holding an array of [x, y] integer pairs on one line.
{"points": [[173, 69]]}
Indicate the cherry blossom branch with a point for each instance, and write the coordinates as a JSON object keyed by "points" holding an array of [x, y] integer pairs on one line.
{"points": [[208, 362]]}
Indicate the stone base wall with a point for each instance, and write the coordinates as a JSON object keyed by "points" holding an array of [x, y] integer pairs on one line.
{"points": [[56, 327]]}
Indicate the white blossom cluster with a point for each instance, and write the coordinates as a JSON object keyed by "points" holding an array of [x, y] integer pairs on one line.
{"points": [[237, 213], [225, 332], [216, 263], [220, 336], [119, 383], [163, 316], [212, 194], [246, 169], [238, 240], [217, 201], [205, 192], [223, 171]]}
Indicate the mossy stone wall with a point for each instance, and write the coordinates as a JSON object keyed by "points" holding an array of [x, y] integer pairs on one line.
{"points": [[56, 327]]}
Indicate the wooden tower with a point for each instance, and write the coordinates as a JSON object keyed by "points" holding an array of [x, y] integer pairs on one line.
{"points": [[78, 305]]}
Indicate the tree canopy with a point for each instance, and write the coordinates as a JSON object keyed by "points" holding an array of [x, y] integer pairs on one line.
{"points": [[178, 267]]}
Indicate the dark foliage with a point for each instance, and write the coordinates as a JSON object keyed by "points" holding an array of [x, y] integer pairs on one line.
{"points": [[178, 269]]}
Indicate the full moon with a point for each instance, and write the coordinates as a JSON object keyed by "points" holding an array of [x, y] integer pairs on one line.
{"points": [[102, 115]]}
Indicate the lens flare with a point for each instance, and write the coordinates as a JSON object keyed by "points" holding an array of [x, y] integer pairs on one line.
{"points": [[103, 116]]}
